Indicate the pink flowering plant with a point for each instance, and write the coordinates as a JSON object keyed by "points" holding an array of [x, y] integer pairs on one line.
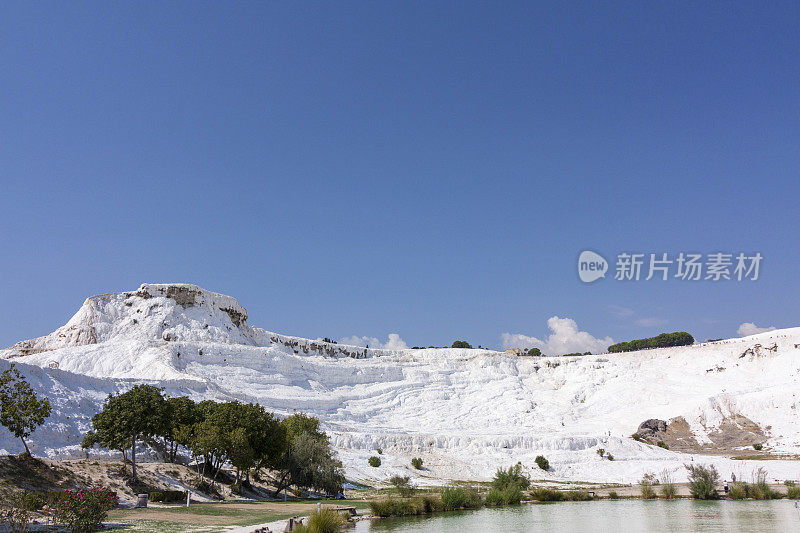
{"points": [[85, 510]]}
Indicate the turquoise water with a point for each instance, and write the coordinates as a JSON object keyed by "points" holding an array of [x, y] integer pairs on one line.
{"points": [[607, 516]]}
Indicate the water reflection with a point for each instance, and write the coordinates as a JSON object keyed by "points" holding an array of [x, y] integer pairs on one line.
{"points": [[611, 516]]}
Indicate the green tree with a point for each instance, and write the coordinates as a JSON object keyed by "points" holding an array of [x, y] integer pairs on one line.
{"points": [[21, 412], [535, 352], [461, 344], [308, 459], [141, 413]]}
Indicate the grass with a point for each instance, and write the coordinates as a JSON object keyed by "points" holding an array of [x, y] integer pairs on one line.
{"points": [[323, 521]]}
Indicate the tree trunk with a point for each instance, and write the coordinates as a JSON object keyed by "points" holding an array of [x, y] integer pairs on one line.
{"points": [[133, 457], [27, 451]]}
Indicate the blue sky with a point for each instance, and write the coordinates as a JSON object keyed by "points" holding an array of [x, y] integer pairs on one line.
{"points": [[429, 169]]}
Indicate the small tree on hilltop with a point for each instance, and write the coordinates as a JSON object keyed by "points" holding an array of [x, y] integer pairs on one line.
{"points": [[20, 410], [461, 344]]}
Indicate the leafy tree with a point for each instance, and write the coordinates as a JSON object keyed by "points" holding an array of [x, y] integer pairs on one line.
{"points": [[139, 414], [678, 338], [21, 412], [309, 460], [535, 352], [461, 344], [183, 414]]}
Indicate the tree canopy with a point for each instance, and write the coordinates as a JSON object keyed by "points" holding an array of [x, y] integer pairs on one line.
{"points": [[21, 411], [678, 338]]}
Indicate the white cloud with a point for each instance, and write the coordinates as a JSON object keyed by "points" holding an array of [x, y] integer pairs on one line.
{"points": [[565, 338], [748, 328], [394, 342], [650, 322]]}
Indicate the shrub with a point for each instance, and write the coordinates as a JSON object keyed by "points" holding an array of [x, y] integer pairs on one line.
{"points": [[402, 485], [737, 490], [510, 495], [542, 494], [601, 452], [761, 489], [416, 462], [758, 446], [668, 488], [171, 496], [702, 481], [429, 503], [461, 344], [636, 437], [380, 451], [662, 444], [455, 498], [609, 457], [513, 477], [793, 492], [543, 463], [236, 488], [323, 521], [22, 505], [613, 495], [578, 496], [84, 511], [647, 490], [374, 461]]}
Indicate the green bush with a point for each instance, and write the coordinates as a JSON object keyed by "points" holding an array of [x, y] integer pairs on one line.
{"points": [[575, 495], [430, 503], [760, 488], [380, 451], [374, 461], [512, 477], [543, 463], [84, 511], [455, 498], [737, 490], [601, 452], [662, 444], [461, 344], [758, 446], [323, 521], [510, 495], [416, 462], [405, 507], [402, 485], [609, 457], [613, 495], [703, 481], [171, 496], [542, 494], [668, 488], [646, 486], [636, 437], [793, 492]]}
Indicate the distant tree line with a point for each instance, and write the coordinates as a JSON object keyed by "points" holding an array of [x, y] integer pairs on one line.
{"points": [[678, 338], [244, 436]]}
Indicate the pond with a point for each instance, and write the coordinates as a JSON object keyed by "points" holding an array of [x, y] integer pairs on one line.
{"points": [[612, 516]]}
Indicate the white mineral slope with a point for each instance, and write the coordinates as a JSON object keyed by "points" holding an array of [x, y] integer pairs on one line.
{"points": [[465, 412]]}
